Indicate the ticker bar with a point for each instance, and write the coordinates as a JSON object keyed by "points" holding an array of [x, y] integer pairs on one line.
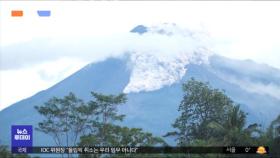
{"points": [[147, 150]]}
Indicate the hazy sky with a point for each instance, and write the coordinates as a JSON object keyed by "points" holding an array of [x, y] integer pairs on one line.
{"points": [[241, 30]]}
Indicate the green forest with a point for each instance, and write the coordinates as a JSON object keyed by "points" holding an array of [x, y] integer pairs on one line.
{"points": [[207, 117]]}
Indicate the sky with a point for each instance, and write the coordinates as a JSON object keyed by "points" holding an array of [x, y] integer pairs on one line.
{"points": [[37, 52]]}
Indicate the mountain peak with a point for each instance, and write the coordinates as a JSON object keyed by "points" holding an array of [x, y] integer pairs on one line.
{"points": [[168, 29], [140, 29]]}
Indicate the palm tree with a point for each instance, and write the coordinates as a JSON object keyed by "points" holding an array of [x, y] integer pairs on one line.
{"points": [[232, 131]]}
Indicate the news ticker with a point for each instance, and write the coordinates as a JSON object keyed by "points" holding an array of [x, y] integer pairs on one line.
{"points": [[144, 150]]}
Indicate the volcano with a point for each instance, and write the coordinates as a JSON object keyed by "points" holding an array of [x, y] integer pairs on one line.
{"points": [[154, 89]]}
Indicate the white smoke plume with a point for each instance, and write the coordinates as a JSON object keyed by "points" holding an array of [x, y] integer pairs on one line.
{"points": [[157, 67]]}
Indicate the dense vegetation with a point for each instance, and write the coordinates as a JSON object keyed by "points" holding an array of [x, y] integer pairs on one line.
{"points": [[207, 117], [210, 118], [94, 122]]}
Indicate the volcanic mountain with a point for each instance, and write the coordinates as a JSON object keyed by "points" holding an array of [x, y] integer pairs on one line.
{"points": [[154, 87]]}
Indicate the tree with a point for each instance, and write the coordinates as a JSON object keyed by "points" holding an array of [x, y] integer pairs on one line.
{"points": [[105, 131], [122, 136], [232, 131], [106, 113], [4, 152], [210, 117], [66, 119]]}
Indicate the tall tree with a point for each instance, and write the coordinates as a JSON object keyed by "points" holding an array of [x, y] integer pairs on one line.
{"points": [[106, 113], [209, 116], [66, 119], [106, 132]]}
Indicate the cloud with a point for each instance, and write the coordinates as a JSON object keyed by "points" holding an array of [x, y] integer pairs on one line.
{"points": [[91, 48], [160, 55], [269, 89], [18, 84], [255, 78]]}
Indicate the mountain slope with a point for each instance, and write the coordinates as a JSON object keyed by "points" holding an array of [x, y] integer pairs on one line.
{"points": [[102, 77], [144, 109]]}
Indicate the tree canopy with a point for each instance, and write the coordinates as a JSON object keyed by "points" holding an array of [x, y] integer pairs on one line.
{"points": [[208, 115]]}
